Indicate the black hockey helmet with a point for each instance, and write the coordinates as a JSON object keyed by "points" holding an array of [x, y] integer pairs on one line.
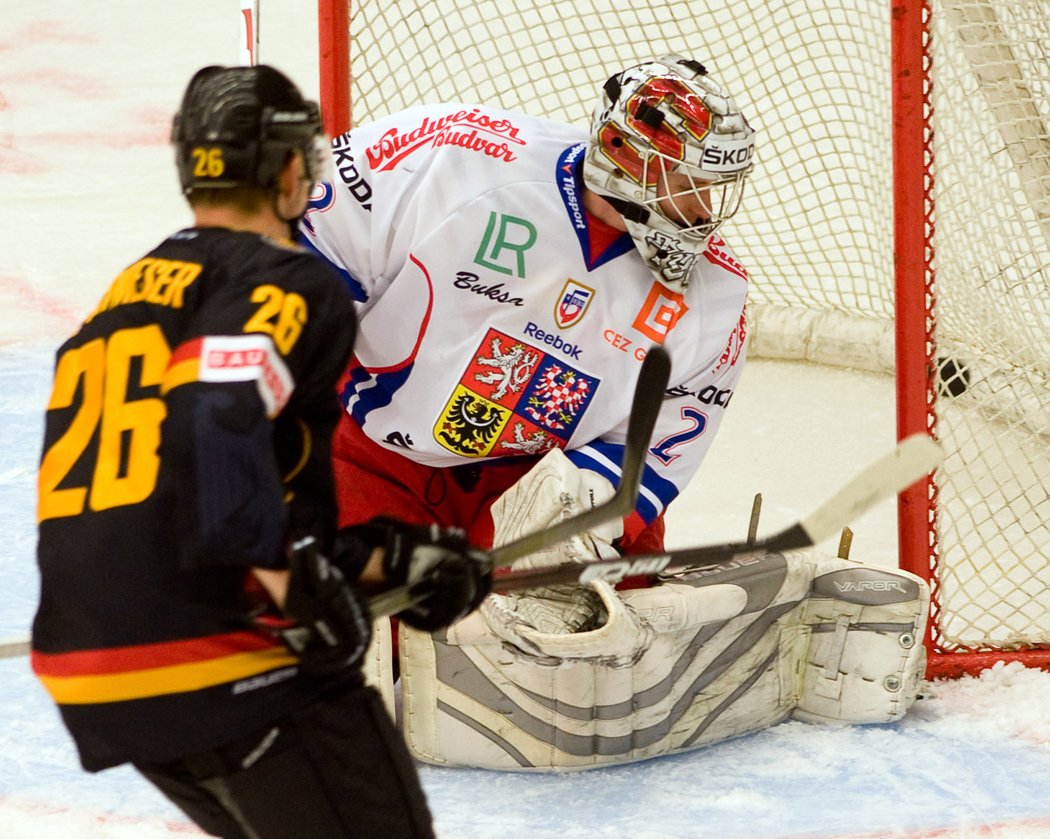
{"points": [[236, 126]]}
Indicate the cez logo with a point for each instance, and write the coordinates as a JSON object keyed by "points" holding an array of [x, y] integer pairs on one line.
{"points": [[660, 312]]}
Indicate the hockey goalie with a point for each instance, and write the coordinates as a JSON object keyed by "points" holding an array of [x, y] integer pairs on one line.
{"points": [[571, 677]]}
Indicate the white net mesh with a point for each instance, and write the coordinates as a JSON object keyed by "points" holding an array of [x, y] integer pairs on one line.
{"points": [[992, 259], [816, 229]]}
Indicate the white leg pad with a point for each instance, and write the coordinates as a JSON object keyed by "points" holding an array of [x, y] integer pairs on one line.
{"points": [[714, 662], [620, 641], [866, 660], [378, 663], [696, 660]]}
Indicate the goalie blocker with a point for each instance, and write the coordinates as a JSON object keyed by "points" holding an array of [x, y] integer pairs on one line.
{"points": [[700, 658]]}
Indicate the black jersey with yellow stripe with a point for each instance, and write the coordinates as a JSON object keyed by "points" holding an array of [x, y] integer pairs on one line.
{"points": [[186, 440]]}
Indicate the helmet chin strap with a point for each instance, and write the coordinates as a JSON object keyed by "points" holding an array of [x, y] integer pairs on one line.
{"points": [[291, 221], [668, 261], [631, 212]]}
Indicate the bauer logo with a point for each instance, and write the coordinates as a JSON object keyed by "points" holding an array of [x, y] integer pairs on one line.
{"points": [[866, 587], [246, 358], [289, 116]]}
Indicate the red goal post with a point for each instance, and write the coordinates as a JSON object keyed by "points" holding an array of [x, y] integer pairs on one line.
{"points": [[899, 222]]}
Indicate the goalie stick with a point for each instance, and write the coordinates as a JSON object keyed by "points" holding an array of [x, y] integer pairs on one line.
{"points": [[648, 395], [915, 457]]}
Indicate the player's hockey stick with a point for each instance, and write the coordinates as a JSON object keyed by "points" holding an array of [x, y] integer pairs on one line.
{"points": [[648, 395], [14, 647], [915, 457]]}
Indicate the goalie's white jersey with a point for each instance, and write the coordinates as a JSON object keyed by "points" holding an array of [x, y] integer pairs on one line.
{"points": [[488, 329]]}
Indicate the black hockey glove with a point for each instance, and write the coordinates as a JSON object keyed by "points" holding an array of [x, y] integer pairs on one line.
{"points": [[334, 627], [438, 563]]}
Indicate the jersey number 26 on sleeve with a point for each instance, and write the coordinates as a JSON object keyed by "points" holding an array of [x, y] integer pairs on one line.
{"points": [[126, 459], [281, 316]]}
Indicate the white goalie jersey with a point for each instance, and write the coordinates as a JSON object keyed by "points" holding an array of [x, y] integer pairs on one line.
{"points": [[496, 320]]}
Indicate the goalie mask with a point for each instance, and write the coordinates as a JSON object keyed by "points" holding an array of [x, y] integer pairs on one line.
{"points": [[670, 150]]}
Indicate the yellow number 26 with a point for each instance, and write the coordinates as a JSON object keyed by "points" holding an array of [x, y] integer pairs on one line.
{"points": [[126, 460]]}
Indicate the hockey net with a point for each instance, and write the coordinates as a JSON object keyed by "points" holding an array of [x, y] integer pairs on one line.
{"points": [[884, 124]]}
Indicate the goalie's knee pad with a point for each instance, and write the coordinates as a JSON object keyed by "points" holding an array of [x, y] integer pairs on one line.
{"points": [[677, 666], [698, 659], [866, 660]]}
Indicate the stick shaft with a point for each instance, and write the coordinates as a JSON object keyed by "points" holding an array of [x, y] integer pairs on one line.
{"points": [[914, 458], [15, 647]]}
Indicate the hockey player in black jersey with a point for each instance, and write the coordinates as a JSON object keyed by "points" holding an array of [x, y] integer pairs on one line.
{"points": [[190, 622]]}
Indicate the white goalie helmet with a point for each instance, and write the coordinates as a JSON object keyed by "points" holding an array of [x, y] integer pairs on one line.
{"points": [[671, 151]]}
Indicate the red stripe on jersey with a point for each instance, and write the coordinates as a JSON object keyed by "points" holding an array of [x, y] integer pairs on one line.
{"points": [[143, 656], [184, 352]]}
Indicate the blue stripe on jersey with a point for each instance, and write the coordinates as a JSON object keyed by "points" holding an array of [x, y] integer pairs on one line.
{"points": [[570, 184], [370, 388], [368, 391], [356, 289], [605, 459]]}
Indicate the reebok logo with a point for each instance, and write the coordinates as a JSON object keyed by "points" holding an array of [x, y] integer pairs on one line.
{"points": [[551, 340]]}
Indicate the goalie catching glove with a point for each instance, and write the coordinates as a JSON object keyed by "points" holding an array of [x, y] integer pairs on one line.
{"points": [[552, 491], [450, 575]]}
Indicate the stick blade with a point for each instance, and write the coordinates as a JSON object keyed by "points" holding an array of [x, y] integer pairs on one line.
{"points": [[648, 397], [914, 458]]}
